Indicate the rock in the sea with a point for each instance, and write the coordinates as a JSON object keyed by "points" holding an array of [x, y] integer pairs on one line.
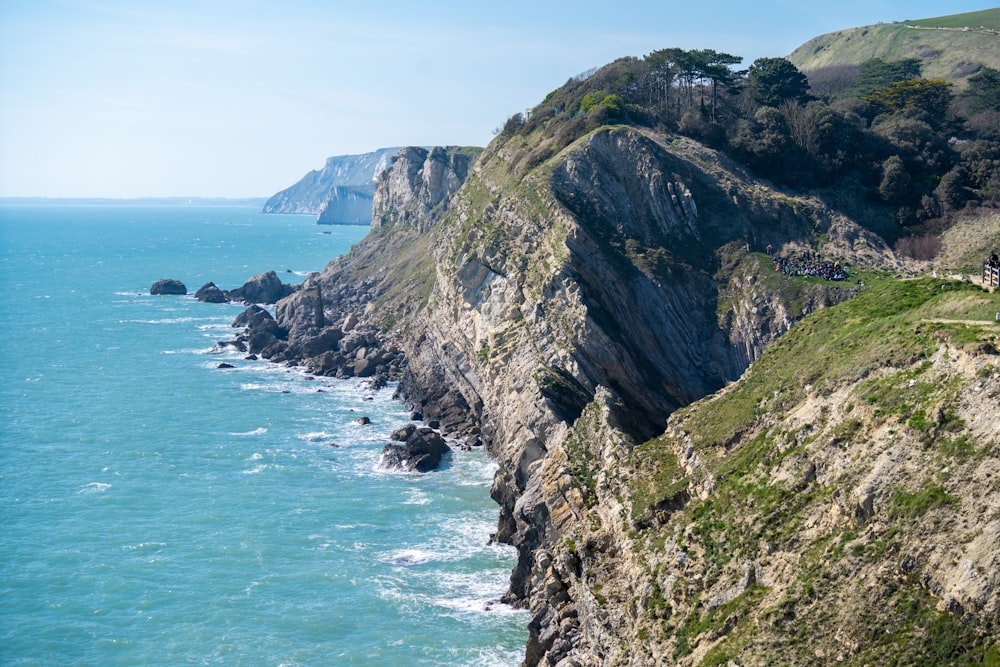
{"points": [[252, 317], [363, 421], [422, 450], [168, 286], [263, 288], [210, 293], [224, 366]]}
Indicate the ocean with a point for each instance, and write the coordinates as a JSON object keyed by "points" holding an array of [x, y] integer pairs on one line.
{"points": [[156, 509]]}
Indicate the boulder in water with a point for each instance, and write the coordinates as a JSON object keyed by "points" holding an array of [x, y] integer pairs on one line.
{"points": [[263, 288], [210, 293], [422, 451], [168, 286]]}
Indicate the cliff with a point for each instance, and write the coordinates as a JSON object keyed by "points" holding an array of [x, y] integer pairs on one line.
{"points": [[566, 316], [419, 181], [347, 205], [341, 187]]}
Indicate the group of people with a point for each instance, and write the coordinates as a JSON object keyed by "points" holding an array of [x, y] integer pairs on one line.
{"points": [[991, 269], [809, 264]]}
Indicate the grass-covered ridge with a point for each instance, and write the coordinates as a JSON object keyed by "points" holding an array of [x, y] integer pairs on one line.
{"points": [[844, 451], [942, 44], [889, 324], [870, 394], [987, 18]]}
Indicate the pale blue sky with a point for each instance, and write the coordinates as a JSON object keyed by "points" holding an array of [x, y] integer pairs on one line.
{"points": [[114, 98]]}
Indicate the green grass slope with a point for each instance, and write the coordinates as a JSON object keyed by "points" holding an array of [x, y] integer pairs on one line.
{"points": [[950, 47], [851, 472]]}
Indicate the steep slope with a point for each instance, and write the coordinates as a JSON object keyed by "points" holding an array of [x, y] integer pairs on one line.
{"points": [[316, 190], [583, 301], [838, 504], [952, 48], [347, 205]]}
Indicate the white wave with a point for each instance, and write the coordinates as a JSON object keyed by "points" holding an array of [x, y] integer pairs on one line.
{"points": [[165, 320], [474, 592], [256, 457], [94, 487], [142, 545], [417, 498], [408, 557], [256, 431], [315, 436]]}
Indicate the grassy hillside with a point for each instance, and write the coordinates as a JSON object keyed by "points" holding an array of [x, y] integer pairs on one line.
{"points": [[822, 506], [950, 47]]}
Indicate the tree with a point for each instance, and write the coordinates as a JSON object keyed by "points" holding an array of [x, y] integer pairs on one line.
{"points": [[714, 66], [984, 90], [775, 80], [929, 95], [876, 74], [832, 138], [765, 143], [951, 190], [896, 182]]}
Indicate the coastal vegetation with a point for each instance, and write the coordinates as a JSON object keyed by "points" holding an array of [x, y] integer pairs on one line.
{"points": [[911, 149]]}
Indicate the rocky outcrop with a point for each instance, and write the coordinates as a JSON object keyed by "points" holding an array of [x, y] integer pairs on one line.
{"points": [[418, 181], [262, 288], [210, 293], [302, 333], [170, 286], [319, 188], [422, 450]]}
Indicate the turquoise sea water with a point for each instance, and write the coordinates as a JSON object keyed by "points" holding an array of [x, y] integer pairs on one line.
{"points": [[157, 510]]}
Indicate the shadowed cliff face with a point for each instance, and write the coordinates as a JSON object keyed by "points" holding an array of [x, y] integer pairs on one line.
{"points": [[579, 303]]}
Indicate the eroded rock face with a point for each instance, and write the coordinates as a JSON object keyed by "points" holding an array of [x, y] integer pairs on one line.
{"points": [[169, 286], [588, 318], [262, 288], [418, 181]]}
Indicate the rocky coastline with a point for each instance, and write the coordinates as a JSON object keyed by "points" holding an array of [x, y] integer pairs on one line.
{"points": [[547, 323]]}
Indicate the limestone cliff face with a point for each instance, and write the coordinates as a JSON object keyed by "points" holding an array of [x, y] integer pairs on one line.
{"points": [[852, 520], [560, 316], [347, 205], [419, 180], [318, 188]]}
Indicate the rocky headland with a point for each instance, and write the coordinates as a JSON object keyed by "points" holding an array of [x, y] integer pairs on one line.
{"points": [[584, 321], [702, 460], [338, 194]]}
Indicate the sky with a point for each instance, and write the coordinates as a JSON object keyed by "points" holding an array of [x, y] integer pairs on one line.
{"points": [[226, 98]]}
